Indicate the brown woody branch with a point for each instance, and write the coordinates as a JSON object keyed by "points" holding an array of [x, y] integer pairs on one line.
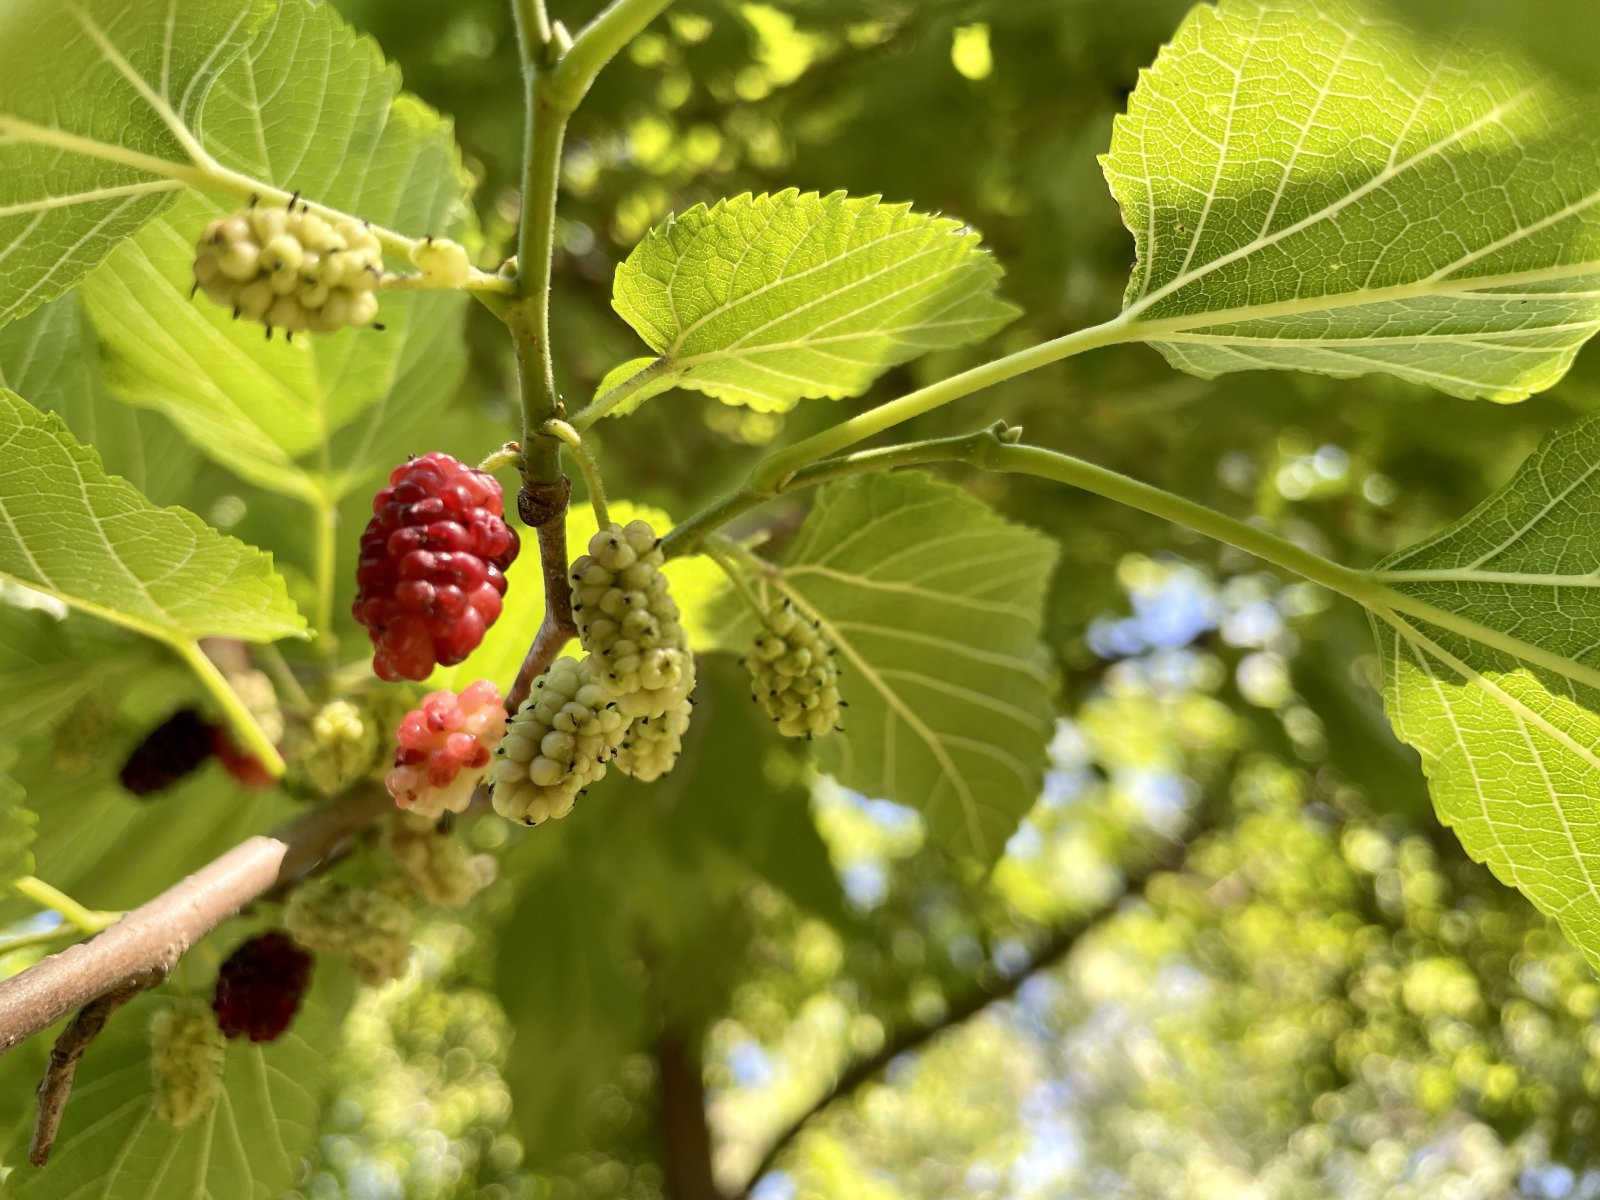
{"points": [[1053, 950], [153, 937]]}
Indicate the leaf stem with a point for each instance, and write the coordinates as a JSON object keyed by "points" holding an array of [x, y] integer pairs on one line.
{"points": [[84, 920], [630, 387], [717, 549], [243, 721], [596, 44], [687, 537], [503, 457], [996, 449], [39, 937], [773, 472], [587, 466], [1063, 468]]}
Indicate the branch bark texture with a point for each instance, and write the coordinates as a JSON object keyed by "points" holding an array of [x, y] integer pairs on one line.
{"points": [[153, 937]]}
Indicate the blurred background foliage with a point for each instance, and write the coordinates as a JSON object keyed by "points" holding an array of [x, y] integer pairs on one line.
{"points": [[1229, 954]]}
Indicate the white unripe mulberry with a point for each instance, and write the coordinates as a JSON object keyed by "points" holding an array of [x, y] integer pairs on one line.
{"points": [[438, 866], [653, 744], [628, 621], [559, 742], [186, 1057], [442, 262], [371, 926], [291, 269], [339, 746], [793, 675]]}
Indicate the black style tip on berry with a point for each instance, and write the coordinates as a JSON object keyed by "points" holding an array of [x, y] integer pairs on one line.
{"points": [[255, 199], [379, 326]]}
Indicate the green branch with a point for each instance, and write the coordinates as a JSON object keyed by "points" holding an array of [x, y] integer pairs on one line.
{"points": [[773, 472], [528, 317], [556, 76], [595, 45], [996, 449]]}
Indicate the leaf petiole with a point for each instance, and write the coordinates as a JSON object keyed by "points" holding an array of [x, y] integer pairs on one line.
{"points": [[573, 441], [243, 721], [79, 917]]}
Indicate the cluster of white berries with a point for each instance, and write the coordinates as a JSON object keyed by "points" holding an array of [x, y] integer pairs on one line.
{"points": [[558, 744], [370, 925], [793, 675], [626, 702], [437, 864], [186, 1058], [290, 269], [628, 621]]}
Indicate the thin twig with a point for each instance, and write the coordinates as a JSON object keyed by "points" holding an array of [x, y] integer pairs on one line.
{"points": [[56, 1087]]}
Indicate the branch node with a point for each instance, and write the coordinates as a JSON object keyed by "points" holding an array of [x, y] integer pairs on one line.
{"points": [[540, 503]]}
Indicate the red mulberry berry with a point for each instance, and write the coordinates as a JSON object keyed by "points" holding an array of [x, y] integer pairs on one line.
{"points": [[173, 749], [433, 561], [259, 987], [444, 748]]}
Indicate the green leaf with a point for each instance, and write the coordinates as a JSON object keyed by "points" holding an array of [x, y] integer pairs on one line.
{"points": [[52, 357], [252, 1143], [16, 828], [1492, 671], [769, 300], [1313, 187], [49, 665], [94, 543], [935, 604], [96, 102], [734, 754], [309, 106]]}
